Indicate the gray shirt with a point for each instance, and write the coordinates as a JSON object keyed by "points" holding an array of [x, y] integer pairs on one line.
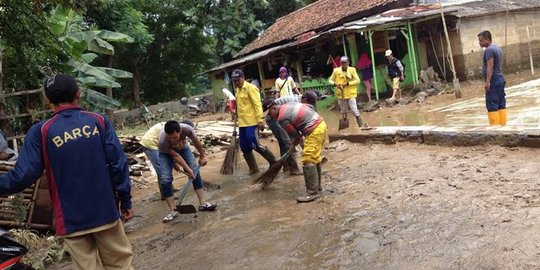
{"points": [[165, 145], [495, 53]]}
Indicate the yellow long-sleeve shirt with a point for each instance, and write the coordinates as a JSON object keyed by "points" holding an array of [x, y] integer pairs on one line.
{"points": [[248, 105], [341, 77]]}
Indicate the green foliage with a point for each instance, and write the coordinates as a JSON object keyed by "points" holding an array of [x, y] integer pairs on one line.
{"points": [[27, 44], [20, 207], [163, 46], [62, 22], [179, 52], [43, 250], [233, 25]]}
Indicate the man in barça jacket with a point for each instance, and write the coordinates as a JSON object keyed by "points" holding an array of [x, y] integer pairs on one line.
{"points": [[87, 173]]}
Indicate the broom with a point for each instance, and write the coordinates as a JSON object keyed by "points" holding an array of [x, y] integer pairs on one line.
{"points": [[229, 163], [269, 175]]}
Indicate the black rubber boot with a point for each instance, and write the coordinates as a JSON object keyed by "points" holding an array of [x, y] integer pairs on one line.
{"points": [[311, 178], [266, 154], [251, 162]]}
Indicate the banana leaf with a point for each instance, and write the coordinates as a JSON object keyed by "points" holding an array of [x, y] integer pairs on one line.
{"points": [[96, 82], [90, 70], [60, 19], [99, 100], [116, 73], [114, 36], [99, 45], [89, 57]]}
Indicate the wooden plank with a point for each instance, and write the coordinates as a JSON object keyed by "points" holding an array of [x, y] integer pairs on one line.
{"points": [[18, 224]]}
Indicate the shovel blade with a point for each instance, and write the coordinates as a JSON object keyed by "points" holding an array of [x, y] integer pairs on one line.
{"points": [[343, 123], [186, 209]]}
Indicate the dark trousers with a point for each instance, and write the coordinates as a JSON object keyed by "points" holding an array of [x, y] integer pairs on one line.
{"points": [[496, 97]]}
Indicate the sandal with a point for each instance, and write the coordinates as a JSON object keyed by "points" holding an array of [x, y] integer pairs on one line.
{"points": [[207, 207], [307, 198], [170, 216]]}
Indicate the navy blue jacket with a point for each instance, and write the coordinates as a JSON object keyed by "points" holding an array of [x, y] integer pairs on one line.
{"points": [[85, 165]]}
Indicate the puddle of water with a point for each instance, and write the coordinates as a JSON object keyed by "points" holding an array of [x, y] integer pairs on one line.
{"points": [[523, 102]]}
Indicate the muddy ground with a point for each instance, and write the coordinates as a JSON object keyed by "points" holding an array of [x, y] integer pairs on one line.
{"points": [[403, 206]]}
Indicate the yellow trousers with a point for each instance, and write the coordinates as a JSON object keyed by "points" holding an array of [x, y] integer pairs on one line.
{"points": [[108, 249], [314, 144]]}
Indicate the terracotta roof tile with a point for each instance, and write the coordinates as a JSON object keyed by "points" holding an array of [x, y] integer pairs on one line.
{"points": [[316, 16]]}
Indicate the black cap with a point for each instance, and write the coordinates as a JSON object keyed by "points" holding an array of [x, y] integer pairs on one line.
{"points": [[267, 103], [60, 88], [236, 74], [310, 97]]}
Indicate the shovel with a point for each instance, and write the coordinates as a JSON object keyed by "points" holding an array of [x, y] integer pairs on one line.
{"points": [[188, 208], [343, 121]]}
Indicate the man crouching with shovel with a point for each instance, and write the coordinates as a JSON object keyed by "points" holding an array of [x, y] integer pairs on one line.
{"points": [[299, 120], [175, 152]]}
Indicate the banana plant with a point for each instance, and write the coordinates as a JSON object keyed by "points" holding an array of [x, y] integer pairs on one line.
{"points": [[84, 47]]}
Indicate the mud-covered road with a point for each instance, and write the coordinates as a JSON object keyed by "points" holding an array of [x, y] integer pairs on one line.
{"points": [[403, 206]]}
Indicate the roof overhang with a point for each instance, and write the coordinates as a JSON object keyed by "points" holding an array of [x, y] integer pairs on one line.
{"points": [[385, 20]]}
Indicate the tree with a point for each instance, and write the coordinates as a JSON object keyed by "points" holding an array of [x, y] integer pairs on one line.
{"points": [[121, 16], [26, 44], [233, 25], [179, 52]]}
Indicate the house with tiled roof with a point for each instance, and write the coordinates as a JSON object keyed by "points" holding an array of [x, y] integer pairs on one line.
{"points": [[307, 39]]}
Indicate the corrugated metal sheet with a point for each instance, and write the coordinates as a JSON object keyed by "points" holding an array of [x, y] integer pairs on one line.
{"points": [[322, 13], [487, 7]]}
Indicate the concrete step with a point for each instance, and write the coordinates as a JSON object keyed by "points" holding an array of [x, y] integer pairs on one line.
{"points": [[509, 136]]}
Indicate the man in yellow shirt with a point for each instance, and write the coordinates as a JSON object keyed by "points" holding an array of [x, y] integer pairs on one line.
{"points": [[345, 79], [149, 143], [250, 118]]}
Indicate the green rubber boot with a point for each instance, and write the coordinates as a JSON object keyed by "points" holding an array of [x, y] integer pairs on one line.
{"points": [[311, 178], [252, 163]]}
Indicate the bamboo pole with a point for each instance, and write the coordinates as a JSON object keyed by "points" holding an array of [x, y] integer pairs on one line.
{"points": [[530, 50], [375, 85], [457, 88], [344, 45], [413, 48], [20, 93], [506, 32]]}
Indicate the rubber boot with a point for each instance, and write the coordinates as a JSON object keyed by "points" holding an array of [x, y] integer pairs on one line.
{"points": [[359, 121], [251, 162], [286, 167], [494, 118], [319, 173], [502, 116], [266, 154], [293, 166], [311, 178]]}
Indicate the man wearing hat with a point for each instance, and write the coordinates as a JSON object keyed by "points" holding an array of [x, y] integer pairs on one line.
{"points": [[309, 98], [395, 73], [300, 120], [87, 173], [285, 85], [345, 79], [250, 118]]}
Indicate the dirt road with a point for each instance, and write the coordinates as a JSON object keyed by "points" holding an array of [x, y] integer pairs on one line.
{"points": [[404, 206]]}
